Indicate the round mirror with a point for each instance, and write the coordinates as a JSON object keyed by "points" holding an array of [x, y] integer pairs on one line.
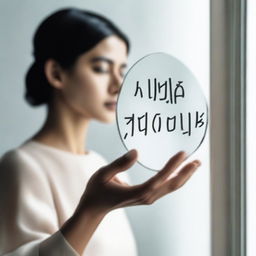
{"points": [[161, 110]]}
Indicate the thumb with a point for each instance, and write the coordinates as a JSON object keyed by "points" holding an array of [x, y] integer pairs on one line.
{"points": [[120, 164]]}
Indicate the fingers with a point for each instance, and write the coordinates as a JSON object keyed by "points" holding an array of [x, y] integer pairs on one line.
{"points": [[176, 182], [169, 168], [181, 178], [121, 164]]}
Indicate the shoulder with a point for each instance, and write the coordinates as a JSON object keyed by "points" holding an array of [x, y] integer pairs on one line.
{"points": [[19, 165], [13, 158], [17, 158]]}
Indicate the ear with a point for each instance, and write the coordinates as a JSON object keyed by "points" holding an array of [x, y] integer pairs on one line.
{"points": [[54, 73]]}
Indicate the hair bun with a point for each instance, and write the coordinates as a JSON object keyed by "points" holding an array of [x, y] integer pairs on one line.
{"points": [[38, 89]]}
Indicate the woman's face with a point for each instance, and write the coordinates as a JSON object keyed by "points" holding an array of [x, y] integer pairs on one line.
{"points": [[92, 87]]}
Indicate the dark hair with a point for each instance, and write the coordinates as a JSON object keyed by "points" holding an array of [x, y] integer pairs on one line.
{"points": [[63, 36]]}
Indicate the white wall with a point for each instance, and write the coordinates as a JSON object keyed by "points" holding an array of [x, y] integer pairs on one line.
{"points": [[178, 224]]}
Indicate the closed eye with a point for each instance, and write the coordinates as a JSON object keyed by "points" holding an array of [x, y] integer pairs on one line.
{"points": [[100, 70]]}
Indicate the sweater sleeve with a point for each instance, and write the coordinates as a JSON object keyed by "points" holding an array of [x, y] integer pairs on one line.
{"points": [[28, 220]]}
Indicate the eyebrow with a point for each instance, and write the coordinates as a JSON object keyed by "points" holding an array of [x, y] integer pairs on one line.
{"points": [[105, 59]]}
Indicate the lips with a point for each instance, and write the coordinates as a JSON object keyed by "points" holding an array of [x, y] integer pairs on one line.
{"points": [[111, 105]]}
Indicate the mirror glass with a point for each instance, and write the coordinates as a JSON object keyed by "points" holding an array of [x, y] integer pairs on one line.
{"points": [[161, 110]]}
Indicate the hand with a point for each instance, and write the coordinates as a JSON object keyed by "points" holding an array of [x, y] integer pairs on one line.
{"points": [[105, 192]]}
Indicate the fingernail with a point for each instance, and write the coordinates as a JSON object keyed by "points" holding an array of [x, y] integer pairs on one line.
{"points": [[198, 163], [130, 153], [183, 153]]}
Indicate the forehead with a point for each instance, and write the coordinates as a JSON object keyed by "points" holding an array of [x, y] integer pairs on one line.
{"points": [[111, 47]]}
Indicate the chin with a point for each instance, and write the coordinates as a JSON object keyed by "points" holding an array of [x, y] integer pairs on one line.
{"points": [[108, 119]]}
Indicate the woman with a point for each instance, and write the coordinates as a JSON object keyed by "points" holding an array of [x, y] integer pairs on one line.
{"points": [[56, 197]]}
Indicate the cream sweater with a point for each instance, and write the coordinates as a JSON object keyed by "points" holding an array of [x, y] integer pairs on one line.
{"points": [[40, 187]]}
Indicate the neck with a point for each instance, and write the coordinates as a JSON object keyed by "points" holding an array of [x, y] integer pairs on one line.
{"points": [[64, 129]]}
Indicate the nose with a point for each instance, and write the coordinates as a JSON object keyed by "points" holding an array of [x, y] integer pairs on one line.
{"points": [[115, 83]]}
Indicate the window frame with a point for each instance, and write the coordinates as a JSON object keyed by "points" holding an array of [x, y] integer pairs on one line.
{"points": [[228, 127]]}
